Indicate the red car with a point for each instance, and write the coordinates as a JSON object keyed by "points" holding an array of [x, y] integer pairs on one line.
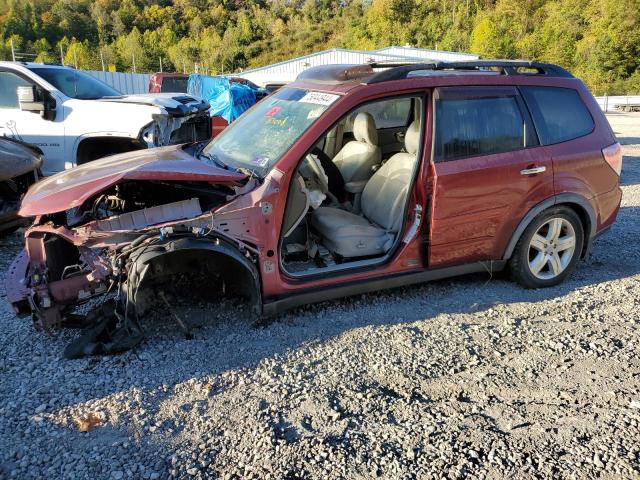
{"points": [[349, 180], [162, 82]]}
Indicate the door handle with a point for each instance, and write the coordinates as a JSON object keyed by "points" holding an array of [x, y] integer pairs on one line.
{"points": [[533, 170]]}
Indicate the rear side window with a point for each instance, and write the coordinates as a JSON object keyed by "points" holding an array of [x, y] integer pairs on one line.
{"points": [[174, 84], [480, 121], [558, 113]]}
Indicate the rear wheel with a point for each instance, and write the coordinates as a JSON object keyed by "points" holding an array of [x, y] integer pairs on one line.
{"points": [[549, 249]]}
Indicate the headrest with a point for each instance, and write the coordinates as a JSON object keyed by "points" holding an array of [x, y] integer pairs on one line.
{"points": [[412, 137], [364, 129]]}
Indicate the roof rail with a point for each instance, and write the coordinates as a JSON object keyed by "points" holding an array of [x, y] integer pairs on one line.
{"points": [[398, 71]]}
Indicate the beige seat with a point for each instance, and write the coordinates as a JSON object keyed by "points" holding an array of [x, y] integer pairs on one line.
{"points": [[357, 158], [383, 201]]}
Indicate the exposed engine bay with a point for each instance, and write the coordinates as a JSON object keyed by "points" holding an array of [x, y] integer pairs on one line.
{"points": [[100, 265]]}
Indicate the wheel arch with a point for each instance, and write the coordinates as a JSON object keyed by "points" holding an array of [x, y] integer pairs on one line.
{"points": [[576, 202], [178, 255], [85, 147]]}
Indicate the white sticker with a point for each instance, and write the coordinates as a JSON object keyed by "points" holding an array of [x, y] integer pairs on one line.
{"points": [[315, 113], [319, 98]]}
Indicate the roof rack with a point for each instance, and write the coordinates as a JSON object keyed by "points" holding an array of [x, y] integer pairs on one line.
{"points": [[399, 71]]}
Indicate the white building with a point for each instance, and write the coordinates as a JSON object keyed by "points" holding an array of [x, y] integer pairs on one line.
{"points": [[287, 71]]}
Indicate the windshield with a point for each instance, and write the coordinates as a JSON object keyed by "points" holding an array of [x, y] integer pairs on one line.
{"points": [[76, 84], [259, 138]]}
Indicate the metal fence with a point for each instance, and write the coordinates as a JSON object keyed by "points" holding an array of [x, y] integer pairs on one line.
{"points": [[127, 83], [609, 104], [133, 83]]}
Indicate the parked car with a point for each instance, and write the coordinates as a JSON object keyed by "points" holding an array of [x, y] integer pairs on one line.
{"points": [[349, 180], [166, 82], [162, 82], [75, 118], [19, 169]]}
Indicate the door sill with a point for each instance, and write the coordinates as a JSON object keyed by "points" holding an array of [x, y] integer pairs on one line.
{"points": [[279, 305]]}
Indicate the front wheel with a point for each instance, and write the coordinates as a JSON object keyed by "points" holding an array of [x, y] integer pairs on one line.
{"points": [[549, 248]]}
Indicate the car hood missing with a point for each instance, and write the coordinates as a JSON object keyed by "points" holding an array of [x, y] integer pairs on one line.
{"points": [[73, 187]]}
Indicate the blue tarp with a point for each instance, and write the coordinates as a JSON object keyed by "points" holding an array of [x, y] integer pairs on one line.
{"points": [[227, 99]]}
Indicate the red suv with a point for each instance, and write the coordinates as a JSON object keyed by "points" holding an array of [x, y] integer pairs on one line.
{"points": [[351, 179]]}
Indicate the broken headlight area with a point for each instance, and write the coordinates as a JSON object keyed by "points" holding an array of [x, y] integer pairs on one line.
{"points": [[170, 130], [104, 264]]}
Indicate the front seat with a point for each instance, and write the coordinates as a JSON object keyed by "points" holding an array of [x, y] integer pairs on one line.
{"points": [[383, 201], [358, 157]]}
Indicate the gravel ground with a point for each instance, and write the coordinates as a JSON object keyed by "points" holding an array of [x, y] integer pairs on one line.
{"points": [[470, 377]]}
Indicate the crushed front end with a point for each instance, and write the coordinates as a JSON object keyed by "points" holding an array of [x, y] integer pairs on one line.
{"points": [[84, 266]]}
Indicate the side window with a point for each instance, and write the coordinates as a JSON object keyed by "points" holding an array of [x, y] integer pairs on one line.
{"points": [[392, 113], [558, 113], [9, 82], [480, 121]]}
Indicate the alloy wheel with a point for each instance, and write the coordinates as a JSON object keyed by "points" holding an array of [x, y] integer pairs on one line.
{"points": [[551, 248]]}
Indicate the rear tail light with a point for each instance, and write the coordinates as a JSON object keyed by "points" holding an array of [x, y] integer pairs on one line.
{"points": [[613, 155]]}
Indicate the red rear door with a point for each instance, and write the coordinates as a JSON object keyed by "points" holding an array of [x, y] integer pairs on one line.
{"points": [[489, 170]]}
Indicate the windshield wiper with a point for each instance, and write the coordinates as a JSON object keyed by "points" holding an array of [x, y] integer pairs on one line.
{"points": [[213, 159], [249, 172]]}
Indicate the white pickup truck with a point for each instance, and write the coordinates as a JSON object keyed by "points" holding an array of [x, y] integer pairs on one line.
{"points": [[74, 118]]}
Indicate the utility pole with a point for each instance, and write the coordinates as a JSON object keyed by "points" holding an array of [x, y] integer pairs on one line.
{"points": [[133, 56], [75, 58], [13, 52], [160, 64], [61, 55], [102, 59]]}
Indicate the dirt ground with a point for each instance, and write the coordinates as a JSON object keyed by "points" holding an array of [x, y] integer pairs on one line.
{"points": [[472, 377]]}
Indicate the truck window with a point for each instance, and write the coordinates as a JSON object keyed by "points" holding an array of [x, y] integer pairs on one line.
{"points": [[174, 84], [9, 82], [75, 84]]}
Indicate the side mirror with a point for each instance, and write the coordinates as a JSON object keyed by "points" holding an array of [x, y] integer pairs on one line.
{"points": [[28, 99]]}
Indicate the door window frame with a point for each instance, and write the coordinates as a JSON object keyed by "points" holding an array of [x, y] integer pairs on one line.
{"points": [[368, 264]]}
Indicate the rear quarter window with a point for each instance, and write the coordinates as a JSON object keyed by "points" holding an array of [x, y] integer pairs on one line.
{"points": [[559, 114]]}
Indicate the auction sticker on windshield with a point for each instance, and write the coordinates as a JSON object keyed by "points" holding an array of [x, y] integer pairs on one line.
{"points": [[319, 98]]}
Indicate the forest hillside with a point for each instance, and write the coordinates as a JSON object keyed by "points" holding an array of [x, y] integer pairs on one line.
{"points": [[598, 40]]}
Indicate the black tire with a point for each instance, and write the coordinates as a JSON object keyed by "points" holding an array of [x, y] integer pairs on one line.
{"points": [[519, 268]]}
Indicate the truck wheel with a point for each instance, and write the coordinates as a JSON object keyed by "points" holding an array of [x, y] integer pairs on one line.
{"points": [[549, 248]]}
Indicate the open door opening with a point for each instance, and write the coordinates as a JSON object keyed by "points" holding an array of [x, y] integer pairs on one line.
{"points": [[347, 201]]}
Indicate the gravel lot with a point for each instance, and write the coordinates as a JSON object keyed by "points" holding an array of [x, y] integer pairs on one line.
{"points": [[471, 377]]}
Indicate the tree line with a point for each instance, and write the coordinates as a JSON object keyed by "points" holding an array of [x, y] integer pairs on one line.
{"points": [[598, 40]]}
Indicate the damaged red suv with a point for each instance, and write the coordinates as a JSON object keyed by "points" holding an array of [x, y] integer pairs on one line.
{"points": [[351, 179]]}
